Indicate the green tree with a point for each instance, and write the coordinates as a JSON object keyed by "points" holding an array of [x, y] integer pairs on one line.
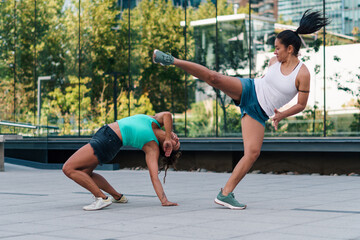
{"points": [[102, 46], [202, 119], [6, 61], [156, 25], [232, 54], [317, 127], [234, 120], [355, 125], [62, 107], [23, 30]]}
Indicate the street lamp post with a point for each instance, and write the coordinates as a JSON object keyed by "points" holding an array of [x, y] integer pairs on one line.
{"points": [[43, 78]]}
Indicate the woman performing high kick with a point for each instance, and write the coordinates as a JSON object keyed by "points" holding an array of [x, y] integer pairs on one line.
{"points": [[259, 98]]}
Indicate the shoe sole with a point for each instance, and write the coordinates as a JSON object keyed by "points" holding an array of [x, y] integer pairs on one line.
{"points": [[98, 208], [120, 202], [217, 201], [153, 56]]}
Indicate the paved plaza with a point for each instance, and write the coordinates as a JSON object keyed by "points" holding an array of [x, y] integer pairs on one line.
{"points": [[44, 204]]}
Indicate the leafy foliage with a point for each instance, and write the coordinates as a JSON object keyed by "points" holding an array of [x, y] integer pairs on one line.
{"points": [[82, 47]]}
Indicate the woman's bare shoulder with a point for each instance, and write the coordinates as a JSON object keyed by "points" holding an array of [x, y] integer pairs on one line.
{"points": [[272, 61], [304, 72]]}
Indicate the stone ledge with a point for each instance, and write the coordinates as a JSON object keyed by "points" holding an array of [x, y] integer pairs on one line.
{"points": [[3, 138]]}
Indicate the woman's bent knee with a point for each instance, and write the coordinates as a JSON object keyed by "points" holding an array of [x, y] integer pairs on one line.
{"points": [[253, 155], [67, 170]]}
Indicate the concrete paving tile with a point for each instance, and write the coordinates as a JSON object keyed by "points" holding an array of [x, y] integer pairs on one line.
{"points": [[13, 218], [90, 234], [277, 205], [30, 228], [351, 205], [349, 221], [73, 221], [242, 227], [280, 219], [215, 212], [8, 234], [47, 204], [174, 220], [308, 214], [37, 237], [135, 226], [151, 236], [279, 236], [316, 231], [195, 232]]}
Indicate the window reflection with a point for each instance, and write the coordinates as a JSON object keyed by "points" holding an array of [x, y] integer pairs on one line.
{"points": [[99, 55]]}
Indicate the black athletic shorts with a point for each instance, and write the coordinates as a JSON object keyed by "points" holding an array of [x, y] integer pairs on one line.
{"points": [[106, 144]]}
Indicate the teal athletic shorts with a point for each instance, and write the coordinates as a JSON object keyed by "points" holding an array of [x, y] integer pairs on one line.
{"points": [[249, 103]]}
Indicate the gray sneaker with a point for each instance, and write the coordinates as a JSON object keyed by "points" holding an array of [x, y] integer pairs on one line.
{"points": [[164, 59], [229, 201]]}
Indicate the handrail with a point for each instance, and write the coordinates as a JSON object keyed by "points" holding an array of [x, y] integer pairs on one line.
{"points": [[26, 125]]}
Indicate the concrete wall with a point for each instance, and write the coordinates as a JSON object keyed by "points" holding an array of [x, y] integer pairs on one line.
{"points": [[308, 162], [220, 161]]}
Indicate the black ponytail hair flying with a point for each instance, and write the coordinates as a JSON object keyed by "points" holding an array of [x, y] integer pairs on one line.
{"points": [[310, 22]]}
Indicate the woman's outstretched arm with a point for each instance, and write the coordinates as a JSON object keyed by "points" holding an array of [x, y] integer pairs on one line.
{"points": [[152, 157]]}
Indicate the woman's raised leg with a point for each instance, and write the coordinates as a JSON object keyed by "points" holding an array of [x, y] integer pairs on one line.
{"points": [[231, 86]]}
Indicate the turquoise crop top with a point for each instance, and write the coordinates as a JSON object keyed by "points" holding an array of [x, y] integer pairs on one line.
{"points": [[137, 130]]}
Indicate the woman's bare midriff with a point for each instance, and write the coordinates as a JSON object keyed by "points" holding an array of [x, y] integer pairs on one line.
{"points": [[115, 127]]}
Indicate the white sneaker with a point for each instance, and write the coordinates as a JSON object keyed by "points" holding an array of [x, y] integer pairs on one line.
{"points": [[123, 199], [98, 204]]}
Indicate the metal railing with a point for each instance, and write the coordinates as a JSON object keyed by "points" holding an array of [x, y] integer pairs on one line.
{"points": [[37, 128], [26, 125]]}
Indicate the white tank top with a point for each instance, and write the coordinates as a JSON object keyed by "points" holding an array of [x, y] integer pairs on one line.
{"points": [[274, 90]]}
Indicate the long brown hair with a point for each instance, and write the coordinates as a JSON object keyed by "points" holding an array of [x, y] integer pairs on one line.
{"points": [[168, 161]]}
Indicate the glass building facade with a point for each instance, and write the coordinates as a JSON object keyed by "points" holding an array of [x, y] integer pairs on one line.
{"points": [[344, 14], [71, 66]]}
